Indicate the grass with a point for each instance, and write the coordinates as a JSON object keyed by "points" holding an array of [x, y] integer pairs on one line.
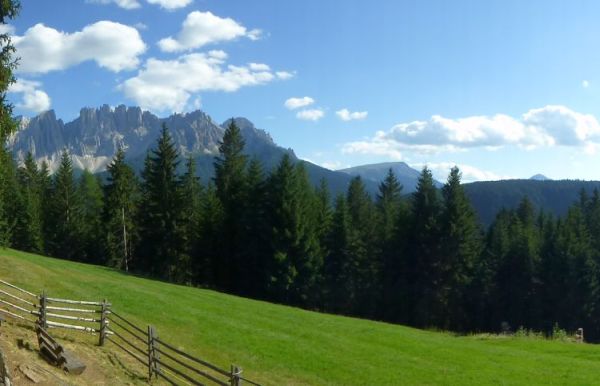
{"points": [[278, 345]]}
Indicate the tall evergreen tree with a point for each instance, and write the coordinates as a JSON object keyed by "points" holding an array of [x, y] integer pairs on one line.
{"points": [[162, 246], [230, 182], [90, 191], [461, 241], [422, 255], [65, 213], [30, 223], [121, 197], [206, 262], [191, 190]]}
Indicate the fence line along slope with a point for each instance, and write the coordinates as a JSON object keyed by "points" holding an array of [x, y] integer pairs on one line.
{"points": [[283, 345]]}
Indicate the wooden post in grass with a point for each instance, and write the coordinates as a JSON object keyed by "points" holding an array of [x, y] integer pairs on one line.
{"points": [[42, 311], [150, 352], [155, 353], [235, 376], [103, 322]]}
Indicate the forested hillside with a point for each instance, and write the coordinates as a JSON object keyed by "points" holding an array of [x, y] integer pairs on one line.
{"points": [[424, 262]]}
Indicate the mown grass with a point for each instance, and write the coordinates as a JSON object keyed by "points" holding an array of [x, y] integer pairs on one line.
{"points": [[278, 345]]}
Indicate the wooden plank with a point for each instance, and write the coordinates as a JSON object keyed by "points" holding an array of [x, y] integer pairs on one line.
{"points": [[16, 316], [77, 310], [18, 289], [71, 327], [68, 301], [17, 298]]}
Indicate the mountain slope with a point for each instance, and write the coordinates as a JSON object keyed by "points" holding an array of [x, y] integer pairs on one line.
{"points": [[94, 137], [553, 196], [375, 173], [279, 345]]}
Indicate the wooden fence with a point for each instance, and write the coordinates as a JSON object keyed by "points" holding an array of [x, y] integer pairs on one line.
{"points": [[160, 358]]}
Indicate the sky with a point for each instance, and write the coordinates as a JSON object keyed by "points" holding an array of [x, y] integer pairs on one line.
{"points": [[501, 88]]}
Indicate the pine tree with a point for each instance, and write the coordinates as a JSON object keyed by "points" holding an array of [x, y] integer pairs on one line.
{"points": [[461, 248], [364, 266], [206, 262], [11, 203], [230, 183], [191, 190], [162, 246], [30, 223], [422, 255], [294, 264], [120, 210], [90, 191], [65, 213], [338, 258], [8, 63]]}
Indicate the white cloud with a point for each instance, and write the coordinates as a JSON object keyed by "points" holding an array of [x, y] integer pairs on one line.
{"points": [[134, 4], [284, 75], [7, 29], [125, 4], [469, 173], [543, 127], [259, 67], [111, 45], [346, 115], [585, 84], [310, 115], [33, 99], [140, 26], [202, 28], [171, 4], [295, 103], [168, 84]]}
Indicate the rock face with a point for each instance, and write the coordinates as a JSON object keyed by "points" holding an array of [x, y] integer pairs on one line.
{"points": [[94, 137]]}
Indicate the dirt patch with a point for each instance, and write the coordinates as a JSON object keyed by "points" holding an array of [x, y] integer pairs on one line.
{"points": [[104, 365]]}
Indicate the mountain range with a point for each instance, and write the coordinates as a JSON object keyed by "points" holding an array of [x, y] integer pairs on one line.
{"points": [[95, 135]]}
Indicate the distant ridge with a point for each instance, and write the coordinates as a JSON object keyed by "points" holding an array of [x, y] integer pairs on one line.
{"points": [[407, 176], [540, 177]]}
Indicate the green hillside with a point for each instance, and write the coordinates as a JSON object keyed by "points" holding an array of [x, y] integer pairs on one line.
{"points": [[279, 345]]}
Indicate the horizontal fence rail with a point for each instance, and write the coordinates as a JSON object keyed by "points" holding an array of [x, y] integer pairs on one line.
{"points": [[160, 358]]}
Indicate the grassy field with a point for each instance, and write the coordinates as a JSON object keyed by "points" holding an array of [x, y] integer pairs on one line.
{"points": [[279, 345]]}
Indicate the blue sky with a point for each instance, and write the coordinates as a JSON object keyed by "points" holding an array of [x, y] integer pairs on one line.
{"points": [[501, 88]]}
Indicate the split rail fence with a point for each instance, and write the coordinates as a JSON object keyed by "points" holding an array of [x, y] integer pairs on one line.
{"points": [[160, 358]]}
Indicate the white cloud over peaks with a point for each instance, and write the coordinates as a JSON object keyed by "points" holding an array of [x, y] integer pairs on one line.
{"points": [[310, 115], [111, 45], [171, 4], [347, 115], [202, 28], [546, 126], [168, 84], [469, 173], [125, 4], [33, 99], [295, 103], [284, 75]]}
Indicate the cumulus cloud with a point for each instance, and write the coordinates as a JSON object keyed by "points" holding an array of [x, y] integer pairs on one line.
{"points": [[469, 173], [296, 103], [202, 28], [284, 75], [310, 115], [347, 115], [171, 4], [33, 99], [546, 126], [134, 4], [168, 84], [125, 4], [111, 45]]}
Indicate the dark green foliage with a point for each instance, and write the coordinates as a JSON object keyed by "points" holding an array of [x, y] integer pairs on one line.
{"points": [[8, 63], [120, 210], [295, 264], [65, 208], [230, 182], [92, 203], [29, 236], [162, 249]]}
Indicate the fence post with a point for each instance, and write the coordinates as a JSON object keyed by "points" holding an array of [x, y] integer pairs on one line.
{"points": [[235, 376], [42, 314], [150, 352], [103, 322], [155, 353]]}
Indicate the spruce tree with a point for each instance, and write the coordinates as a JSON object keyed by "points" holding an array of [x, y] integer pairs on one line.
{"points": [[120, 210], [207, 261], [90, 191], [30, 223], [230, 182], [191, 190], [422, 256], [65, 213], [162, 246], [461, 243]]}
